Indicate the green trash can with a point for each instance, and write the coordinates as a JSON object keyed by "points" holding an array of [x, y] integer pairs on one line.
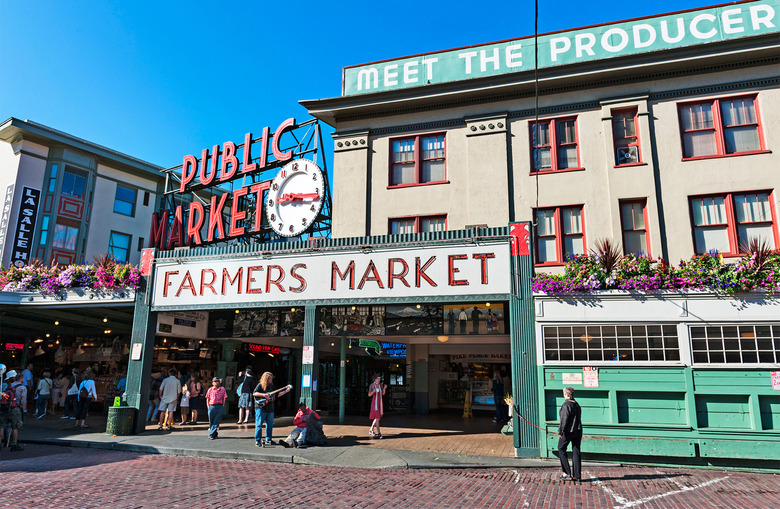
{"points": [[120, 420]]}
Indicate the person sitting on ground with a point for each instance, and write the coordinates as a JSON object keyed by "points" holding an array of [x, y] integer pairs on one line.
{"points": [[298, 436]]}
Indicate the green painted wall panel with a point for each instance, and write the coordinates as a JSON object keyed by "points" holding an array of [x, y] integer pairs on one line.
{"points": [[746, 449], [633, 446], [732, 380], [594, 404], [723, 411], [651, 408], [770, 412]]}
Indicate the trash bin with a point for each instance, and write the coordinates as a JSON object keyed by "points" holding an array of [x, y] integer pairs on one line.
{"points": [[120, 420]]}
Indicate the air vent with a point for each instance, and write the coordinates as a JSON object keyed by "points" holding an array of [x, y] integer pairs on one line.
{"points": [[627, 155]]}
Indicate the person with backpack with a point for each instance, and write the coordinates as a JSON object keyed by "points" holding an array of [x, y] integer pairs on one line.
{"points": [[12, 402], [245, 385], [72, 395], [86, 393]]}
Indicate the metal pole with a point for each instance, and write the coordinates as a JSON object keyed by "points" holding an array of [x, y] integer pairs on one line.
{"points": [[342, 377]]}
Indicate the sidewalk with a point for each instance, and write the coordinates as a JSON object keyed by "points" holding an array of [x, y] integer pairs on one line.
{"points": [[408, 442]]}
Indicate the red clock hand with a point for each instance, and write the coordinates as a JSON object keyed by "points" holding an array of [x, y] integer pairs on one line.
{"points": [[297, 196]]}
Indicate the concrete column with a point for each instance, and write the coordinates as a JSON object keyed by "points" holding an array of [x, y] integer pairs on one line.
{"points": [[310, 371]]}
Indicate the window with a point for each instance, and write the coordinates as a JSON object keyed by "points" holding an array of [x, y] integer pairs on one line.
{"points": [[140, 243], [554, 145], [736, 344], [633, 219], [146, 198], [644, 342], [53, 178], [725, 223], [65, 235], [422, 224], [74, 182], [124, 202], [44, 230], [119, 246], [720, 127], [624, 124], [418, 160], [558, 232]]}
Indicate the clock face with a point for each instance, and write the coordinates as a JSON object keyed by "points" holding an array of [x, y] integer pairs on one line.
{"points": [[295, 197]]}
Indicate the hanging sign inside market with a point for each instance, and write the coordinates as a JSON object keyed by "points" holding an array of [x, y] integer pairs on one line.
{"points": [[643, 35], [291, 200]]}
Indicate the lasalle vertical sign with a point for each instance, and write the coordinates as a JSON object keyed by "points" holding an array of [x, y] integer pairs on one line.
{"points": [[438, 271], [25, 226]]}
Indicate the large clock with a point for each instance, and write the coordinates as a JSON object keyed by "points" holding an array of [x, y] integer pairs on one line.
{"points": [[295, 197]]}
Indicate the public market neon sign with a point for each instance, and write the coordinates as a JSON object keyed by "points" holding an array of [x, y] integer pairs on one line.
{"points": [[218, 166]]}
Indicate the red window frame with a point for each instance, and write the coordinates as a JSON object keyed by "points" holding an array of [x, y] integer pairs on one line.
{"points": [[632, 227], [621, 138], [554, 144], [559, 235], [731, 223], [418, 160], [718, 127], [417, 221]]}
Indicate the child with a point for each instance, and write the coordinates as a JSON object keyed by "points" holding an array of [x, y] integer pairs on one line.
{"points": [[298, 435], [184, 404]]}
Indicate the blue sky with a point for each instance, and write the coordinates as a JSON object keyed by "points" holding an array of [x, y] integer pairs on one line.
{"points": [[159, 80]]}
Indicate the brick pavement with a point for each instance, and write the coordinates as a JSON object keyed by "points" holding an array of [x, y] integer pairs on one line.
{"points": [[83, 478]]}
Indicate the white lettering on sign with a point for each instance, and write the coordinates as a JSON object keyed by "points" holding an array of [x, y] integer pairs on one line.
{"points": [[654, 33], [420, 272]]}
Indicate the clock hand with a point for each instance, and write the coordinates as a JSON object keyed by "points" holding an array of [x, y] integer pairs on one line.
{"points": [[297, 196]]}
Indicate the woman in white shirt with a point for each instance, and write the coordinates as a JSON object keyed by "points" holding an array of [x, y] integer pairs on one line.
{"points": [[44, 391], [86, 394]]}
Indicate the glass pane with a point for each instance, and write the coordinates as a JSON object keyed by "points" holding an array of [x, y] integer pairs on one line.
{"points": [[433, 147], [435, 224], [542, 158], [567, 157], [738, 112], [542, 131], [572, 244], [635, 242], [433, 171], [545, 222], [760, 231], [741, 139], [65, 237], [547, 250], [44, 230], [123, 207], [697, 116], [698, 144], [566, 131], [73, 184], [624, 125], [403, 151], [572, 220], [403, 174], [401, 226], [752, 208], [709, 211], [712, 238]]}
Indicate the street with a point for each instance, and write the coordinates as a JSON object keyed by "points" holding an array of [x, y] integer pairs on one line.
{"points": [[66, 477]]}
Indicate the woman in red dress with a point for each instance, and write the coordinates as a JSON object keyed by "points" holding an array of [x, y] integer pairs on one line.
{"points": [[375, 392]]}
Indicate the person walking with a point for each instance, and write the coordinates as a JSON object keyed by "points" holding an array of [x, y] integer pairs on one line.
{"points": [[264, 407], [475, 314], [72, 395], [86, 393], [215, 398], [375, 391], [169, 394], [570, 430], [14, 418], [43, 393], [195, 388], [247, 384]]}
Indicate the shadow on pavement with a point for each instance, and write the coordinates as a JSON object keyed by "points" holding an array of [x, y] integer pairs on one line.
{"points": [[62, 458]]}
